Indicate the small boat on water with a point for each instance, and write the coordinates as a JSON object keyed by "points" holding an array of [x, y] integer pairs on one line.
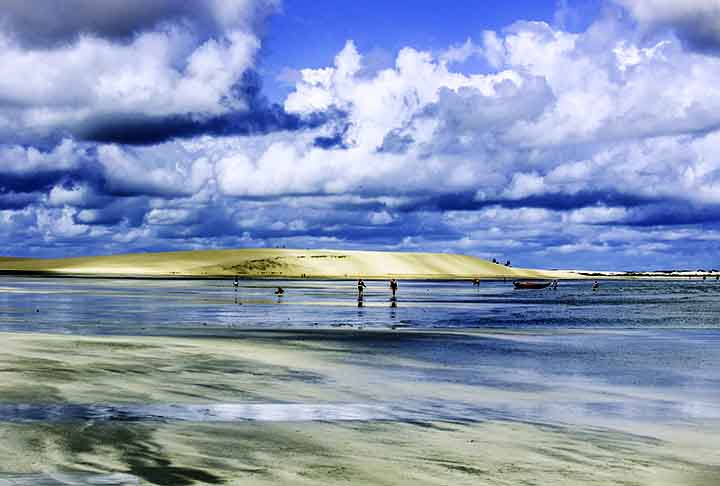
{"points": [[532, 284]]}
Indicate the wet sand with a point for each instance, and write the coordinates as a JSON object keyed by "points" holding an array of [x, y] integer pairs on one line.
{"points": [[352, 453], [427, 422]]}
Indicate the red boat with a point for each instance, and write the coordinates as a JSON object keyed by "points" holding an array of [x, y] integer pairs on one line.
{"points": [[531, 284]]}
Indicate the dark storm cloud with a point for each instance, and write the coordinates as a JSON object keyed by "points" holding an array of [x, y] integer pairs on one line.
{"points": [[31, 182], [677, 214], [467, 200], [335, 141], [14, 200], [48, 23], [696, 22], [260, 117], [703, 41], [564, 202], [151, 131], [43, 180], [699, 30]]}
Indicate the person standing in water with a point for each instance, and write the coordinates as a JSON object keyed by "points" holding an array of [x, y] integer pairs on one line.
{"points": [[595, 285], [236, 283], [361, 288], [393, 287]]}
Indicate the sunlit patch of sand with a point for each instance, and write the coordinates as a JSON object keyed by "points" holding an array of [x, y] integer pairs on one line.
{"points": [[280, 263]]}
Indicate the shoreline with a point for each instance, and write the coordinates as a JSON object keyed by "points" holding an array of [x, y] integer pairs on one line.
{"points": [[576, 276]]}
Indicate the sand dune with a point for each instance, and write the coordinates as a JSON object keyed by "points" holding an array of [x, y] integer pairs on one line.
{"points": [[280, 263]]}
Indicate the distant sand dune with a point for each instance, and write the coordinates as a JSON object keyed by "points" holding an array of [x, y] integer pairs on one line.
{"points": [[280, 263]]}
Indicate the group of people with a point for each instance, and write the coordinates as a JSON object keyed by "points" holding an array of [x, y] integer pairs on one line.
{"points": [[394, 286], [236, 284], [361, 288], [496, 262], [360, 285]]}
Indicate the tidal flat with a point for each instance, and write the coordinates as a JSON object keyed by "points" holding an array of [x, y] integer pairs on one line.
{"points": [[179, 383], [333, 407]]}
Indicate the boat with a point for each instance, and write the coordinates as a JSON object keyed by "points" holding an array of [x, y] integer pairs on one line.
{"points": [[531, 284]]}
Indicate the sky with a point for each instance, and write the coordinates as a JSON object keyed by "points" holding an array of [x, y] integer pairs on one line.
{"points": [[555, 134]]}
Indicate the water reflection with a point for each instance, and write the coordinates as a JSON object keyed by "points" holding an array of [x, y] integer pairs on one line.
{"points": [[565, 412], [106, 306], [68, 479]]}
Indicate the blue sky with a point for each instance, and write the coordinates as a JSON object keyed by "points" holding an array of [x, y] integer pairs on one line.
{"points": [[577, 134], [310, 34]]}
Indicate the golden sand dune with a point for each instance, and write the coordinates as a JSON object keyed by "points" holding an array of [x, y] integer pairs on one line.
{"points": [[279, 263]]}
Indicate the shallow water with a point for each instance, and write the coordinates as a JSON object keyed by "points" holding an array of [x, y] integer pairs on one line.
{"points": [[117, 306]]}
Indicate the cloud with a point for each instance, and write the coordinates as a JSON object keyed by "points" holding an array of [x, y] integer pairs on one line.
{"points": [[63, 21], [17, 201], [381, 218], [460, 53], [85, 82], [258, 117], [697, 22], [559, 119], [80, 195], [586, 145], [51, 23], [29, 169], [524, 185]]}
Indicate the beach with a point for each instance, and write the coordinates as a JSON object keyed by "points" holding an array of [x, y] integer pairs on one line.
{"points": [[172, 382], [378, 243], [267, 408]]}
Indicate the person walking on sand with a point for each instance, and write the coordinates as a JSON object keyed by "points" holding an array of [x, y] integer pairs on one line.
{"points": [[361, 288], [393, 287]]}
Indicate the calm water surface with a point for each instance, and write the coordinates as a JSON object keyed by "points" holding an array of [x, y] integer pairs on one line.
{"points": [[115, 306]]}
